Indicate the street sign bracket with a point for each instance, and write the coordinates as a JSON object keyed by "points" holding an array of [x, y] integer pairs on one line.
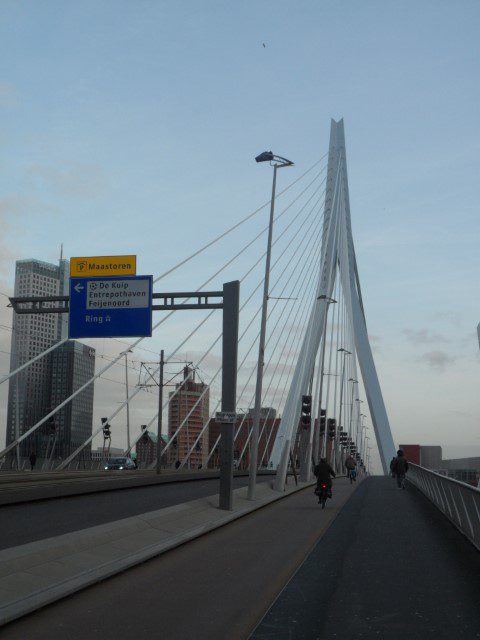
{"points": [[170, 302]]}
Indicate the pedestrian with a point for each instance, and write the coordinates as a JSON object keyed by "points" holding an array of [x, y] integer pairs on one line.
{"points": [[33, 460], [392, 464], [400, 468]]}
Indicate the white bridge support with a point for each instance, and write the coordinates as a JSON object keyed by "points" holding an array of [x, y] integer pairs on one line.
{"points": [[337, 231]]}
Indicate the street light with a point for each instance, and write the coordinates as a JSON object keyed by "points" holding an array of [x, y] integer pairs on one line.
{"points": [[345, 353], [316, 435], [277, 162], [350, 432]]}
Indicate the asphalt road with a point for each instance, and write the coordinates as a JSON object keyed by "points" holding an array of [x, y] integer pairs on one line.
{"points": [[27, 522], [391, 566], [216, 587]]}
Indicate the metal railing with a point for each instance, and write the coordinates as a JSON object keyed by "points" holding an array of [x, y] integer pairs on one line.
{"points": [[458, 501]]}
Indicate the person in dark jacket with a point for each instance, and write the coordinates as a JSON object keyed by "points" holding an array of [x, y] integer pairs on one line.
{"points": [[33, 460], [400, 468], [324, 474], [392, 463], [350, 465]]}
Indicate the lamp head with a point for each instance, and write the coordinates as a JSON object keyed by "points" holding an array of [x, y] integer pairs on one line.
{"points": [[266, 156]]}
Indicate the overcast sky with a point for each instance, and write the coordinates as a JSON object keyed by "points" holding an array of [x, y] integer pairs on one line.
{"points": [[131, 127]]}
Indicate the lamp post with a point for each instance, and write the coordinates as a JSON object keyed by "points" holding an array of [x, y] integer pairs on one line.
{"points": [[351, 408], [277, 162], [362, 435], [344, 352], [359, 402], [316, 441]]}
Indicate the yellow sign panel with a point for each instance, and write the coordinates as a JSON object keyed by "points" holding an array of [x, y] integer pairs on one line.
{"points": [[103, 266]]}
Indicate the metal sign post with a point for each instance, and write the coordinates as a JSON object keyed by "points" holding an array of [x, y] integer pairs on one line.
{"points": [[231, 296], [169, 301]]}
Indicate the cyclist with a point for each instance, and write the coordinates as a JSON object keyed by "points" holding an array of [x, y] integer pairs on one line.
{"points": [[400, 468], [324, 474], [351, 465]]}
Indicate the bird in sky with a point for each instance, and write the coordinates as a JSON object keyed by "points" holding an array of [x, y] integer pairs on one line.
{"points": [[263, 45]]}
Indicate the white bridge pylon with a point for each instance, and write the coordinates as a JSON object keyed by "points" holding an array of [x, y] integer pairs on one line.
{"points": [[337, 257]]}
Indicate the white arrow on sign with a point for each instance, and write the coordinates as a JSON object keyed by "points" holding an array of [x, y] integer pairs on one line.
{"points": [[79, 287]]}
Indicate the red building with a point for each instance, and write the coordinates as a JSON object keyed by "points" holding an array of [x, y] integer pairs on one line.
{"points": [[241, 450], [189, 409], [411, 452]]}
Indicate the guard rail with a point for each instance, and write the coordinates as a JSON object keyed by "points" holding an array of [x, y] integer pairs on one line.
{"points": [[458, 501]]}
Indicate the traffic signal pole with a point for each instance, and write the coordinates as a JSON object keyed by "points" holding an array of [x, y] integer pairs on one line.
{"points": [[305, 448], [160, 415]]}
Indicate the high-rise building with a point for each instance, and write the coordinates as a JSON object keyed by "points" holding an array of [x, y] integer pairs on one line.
{"points": [[189, 404], [73, 364], [29, 394]]}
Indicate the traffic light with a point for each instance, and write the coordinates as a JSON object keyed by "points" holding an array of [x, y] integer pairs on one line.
{"points": [[331, 426], [323, 420], [306, 417], [106, 429]]}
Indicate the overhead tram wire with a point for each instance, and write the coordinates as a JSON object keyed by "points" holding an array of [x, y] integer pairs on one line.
{"points": [[172, 438]]}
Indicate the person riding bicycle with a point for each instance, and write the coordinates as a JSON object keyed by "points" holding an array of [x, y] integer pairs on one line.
{"points": [[324, 474], [400, 468], [351, 464]]}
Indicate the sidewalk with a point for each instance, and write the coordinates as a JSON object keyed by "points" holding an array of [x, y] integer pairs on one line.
{"points": [[35, 574]]}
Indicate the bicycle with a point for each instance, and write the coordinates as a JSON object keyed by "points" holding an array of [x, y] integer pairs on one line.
{"points": [[323, 493], [352, 474]]}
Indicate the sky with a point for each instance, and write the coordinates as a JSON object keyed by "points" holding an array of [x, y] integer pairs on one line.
{"points": [[131, 127]]}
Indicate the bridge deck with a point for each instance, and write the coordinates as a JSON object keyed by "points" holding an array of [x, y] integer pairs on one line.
{"points": [[391, 566], [215, 587], [388, 566]]}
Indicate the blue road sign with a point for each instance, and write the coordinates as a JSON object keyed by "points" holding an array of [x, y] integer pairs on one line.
{"points": [[115, 307]]}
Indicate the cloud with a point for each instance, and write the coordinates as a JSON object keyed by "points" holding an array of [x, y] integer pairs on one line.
{"points": [[83, 180], [13, 205], [438, 360], [423, 336], [8, 94]]}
